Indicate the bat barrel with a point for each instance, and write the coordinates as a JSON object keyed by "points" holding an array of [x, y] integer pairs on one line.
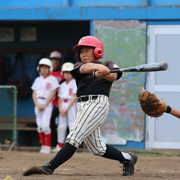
{"points": [[164, 66], [160, 66]]}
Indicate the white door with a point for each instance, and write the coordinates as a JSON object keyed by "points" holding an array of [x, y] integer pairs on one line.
{"points": [[164, 46]]}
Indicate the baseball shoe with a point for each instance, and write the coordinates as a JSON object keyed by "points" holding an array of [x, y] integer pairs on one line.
{"points": [[42, 150], [56, 149], [45, 169], [47, 150], [128, 168]]}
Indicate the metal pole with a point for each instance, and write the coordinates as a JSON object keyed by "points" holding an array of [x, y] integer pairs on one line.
{"points": [[15, 115], [8, 86]]}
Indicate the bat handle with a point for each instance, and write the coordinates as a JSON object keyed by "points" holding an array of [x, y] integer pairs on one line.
{"points": [[115, 71], [111, 71]]}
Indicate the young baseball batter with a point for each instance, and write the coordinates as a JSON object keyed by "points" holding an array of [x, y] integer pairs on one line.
{"points": [[94, 82], [67, 106], [44, 89]]}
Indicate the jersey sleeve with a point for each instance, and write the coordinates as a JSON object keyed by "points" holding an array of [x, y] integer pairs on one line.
{"points": [[112, 65], [55, 83], [74, 87], [33, 87], [59, 91], [75, 72]]}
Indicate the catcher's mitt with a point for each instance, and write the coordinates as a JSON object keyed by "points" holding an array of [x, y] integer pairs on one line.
{"points": [[151, 105]]}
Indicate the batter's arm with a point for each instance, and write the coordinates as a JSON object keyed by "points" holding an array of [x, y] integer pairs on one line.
{"points": [[90, 67], [112, 77]]}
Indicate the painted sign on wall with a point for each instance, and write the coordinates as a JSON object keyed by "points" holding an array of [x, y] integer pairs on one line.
{"points": [[125, 44]]}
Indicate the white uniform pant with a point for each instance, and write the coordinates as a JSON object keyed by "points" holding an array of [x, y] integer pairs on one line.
{"points": [[90, 115], [66, 121], [43, 117]]}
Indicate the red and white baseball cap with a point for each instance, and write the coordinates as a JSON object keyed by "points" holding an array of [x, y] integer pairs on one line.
{"points": [[55, 55]]}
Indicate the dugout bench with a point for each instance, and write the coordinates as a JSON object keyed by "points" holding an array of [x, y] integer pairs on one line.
{"points": [[26, 133], [23, 123], [26, 130]]}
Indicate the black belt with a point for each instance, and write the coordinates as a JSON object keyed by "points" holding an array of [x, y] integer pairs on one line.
{"points": [[86, 98]]}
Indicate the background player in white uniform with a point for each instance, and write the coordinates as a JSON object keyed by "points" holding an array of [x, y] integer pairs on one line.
{"points": [[67, 105], [44, 89]]}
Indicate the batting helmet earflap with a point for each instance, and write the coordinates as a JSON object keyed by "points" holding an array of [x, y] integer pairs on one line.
{"points": [[47, 62], [92, 42]]}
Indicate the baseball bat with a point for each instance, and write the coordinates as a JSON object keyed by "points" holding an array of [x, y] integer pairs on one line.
{"points": [[159, 66]]}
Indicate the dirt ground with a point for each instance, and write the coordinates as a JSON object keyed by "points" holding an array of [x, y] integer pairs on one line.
{"points": [[151, 165]]}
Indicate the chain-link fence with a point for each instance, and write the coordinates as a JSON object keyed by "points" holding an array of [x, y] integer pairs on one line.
{"points": [[8, 116]]}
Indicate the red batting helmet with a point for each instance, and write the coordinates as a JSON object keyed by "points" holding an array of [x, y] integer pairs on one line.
{"points": [[92, 42]]}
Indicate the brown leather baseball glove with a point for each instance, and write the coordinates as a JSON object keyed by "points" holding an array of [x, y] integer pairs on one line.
{"points": [[151, 105]]}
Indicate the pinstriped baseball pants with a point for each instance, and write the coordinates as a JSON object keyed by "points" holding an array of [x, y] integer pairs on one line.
{"points": [[90, 115]]}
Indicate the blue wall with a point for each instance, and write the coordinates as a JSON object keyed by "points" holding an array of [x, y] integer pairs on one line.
{"points": [[89, 10], [65, 3], [91, 13]]}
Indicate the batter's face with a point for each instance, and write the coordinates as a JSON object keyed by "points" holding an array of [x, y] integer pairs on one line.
{"points": [[44, 70], [67, 76], [87, 55], [56, 63]]}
